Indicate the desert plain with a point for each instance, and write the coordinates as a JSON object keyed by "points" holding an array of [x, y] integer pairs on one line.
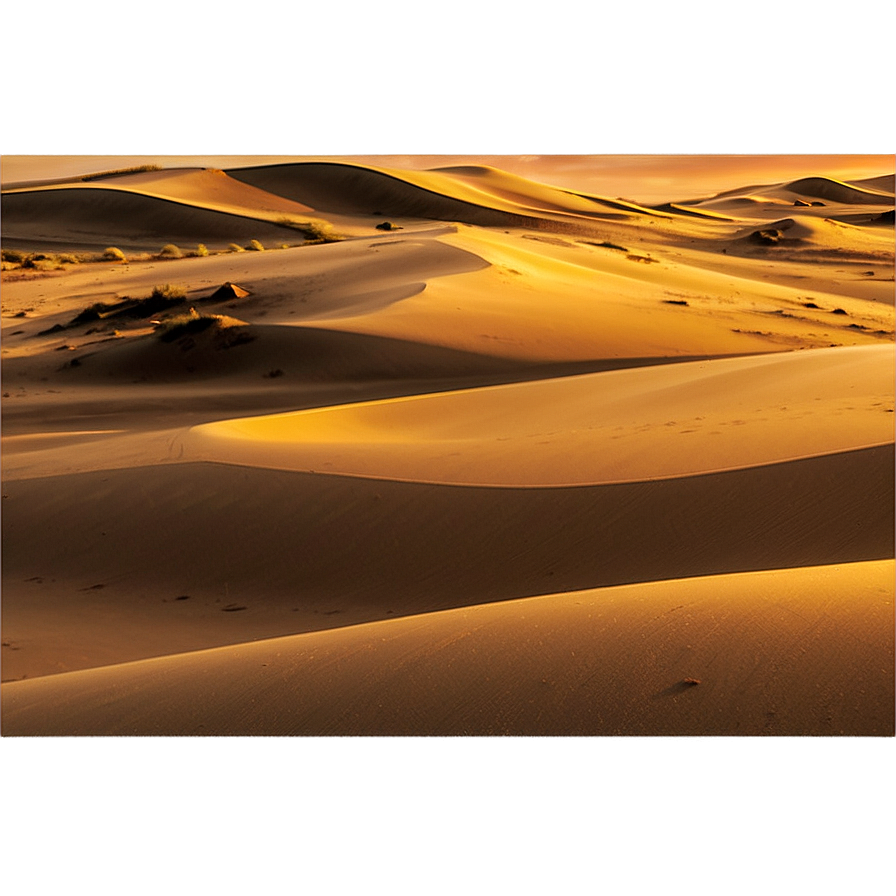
{"points": [[327, 447]]}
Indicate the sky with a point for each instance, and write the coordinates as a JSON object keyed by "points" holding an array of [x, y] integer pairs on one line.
{"points": [[641, 178]]}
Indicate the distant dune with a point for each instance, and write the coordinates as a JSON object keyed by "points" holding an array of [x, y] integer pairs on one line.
{"points": [[96, 218]]}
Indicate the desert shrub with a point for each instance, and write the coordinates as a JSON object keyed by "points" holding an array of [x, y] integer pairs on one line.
{"points": [[8, 266], [255, 246], [114, 254], [13, 255], [235, 247], [68, 258], [170, 251], [92, 313], [201, 250], [40, 263], [185, 325], [167, 293], [313, 231], [161, 299], [386, 225], [230, 332]]}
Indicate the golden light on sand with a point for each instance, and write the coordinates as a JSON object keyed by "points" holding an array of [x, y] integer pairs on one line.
{"points": [[532, 445]]}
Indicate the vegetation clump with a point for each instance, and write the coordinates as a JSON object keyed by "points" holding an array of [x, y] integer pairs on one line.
{"points": [[161, 299], [254, 246], [229, 331], [185, 325], [112, 253], [170, 251]]}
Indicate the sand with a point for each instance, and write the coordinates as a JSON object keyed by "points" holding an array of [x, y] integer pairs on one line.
{"points": [[521, 462]]}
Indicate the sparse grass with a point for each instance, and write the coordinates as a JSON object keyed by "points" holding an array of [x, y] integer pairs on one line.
{"points": [[112, 253], [167, 293], [313, 231], [161, 299], [185, 325], [192, 322], [236, 247], [254, 246], [170, 251]]}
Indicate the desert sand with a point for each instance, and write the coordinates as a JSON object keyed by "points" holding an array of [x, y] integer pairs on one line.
{"points": [[454, 451]]}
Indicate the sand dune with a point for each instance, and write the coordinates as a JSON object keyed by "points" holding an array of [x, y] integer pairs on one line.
{"points": [[520, 464], [616, 426], [473, 195], [94, 218], [836, 191], [806, 651], [304, 550]]}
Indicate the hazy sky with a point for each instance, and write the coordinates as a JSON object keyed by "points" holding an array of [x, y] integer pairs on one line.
{"points": [[640, 178]]}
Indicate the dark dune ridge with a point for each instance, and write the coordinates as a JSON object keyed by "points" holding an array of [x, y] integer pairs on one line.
{"points": [[344, 189], [86, 218], [366, 547]]}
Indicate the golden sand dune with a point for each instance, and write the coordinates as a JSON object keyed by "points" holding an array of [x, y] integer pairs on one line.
{"points": [[627, 425], [299, 551], [404, 455], [548, 299], [821, 236], [476, 195], [806, 651], [97, 217]]}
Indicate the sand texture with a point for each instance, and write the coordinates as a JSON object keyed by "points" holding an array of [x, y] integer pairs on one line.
{"points": [[341, 448]]}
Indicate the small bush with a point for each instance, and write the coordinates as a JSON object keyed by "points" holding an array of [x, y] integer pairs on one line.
{"points": [[232, 331], [8, 266], [255, 246], [114, 254], [92, 313], [235, 247], [313, 231], [67, 258], [13, 255], [167, 293], [201, 251], [170, 251], [185, 325]]}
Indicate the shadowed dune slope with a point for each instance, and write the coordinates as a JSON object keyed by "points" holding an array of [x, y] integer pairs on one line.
{"points": [[310, 354], [289, 544], [837, 191], [886, 183], [355, 190], [486, 196], [794, 652], [100, 217], [204, 187]]}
